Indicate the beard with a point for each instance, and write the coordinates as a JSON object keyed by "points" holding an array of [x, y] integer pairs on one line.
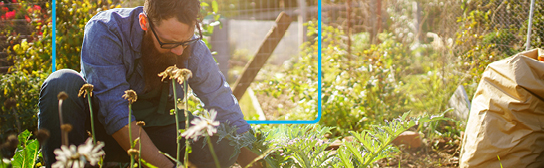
{"points": [[154, 62]]}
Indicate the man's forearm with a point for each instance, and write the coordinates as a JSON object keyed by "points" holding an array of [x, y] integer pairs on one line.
{"points": [[149, 151]]}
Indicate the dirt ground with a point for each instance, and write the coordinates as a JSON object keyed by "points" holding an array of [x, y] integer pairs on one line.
{"points": [[438, 152]]}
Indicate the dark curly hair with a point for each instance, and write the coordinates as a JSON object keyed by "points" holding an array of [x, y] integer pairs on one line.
{"points": [[186, 11]]}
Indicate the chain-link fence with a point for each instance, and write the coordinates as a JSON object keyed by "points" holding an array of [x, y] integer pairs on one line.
{"points": [[454, 29], [500, 25], [413, 21]]}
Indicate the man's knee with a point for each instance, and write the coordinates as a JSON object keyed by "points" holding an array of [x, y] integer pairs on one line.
{"points": [[63, 80]]}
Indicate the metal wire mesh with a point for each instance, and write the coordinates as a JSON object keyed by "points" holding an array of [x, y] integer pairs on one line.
{"points": [[440, 23]]}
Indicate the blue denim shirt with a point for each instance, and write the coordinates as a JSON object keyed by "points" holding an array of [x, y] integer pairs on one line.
{"points": [[111, 45]]}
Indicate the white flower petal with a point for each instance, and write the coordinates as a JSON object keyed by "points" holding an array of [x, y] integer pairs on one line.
{"points": [[77, 156]]}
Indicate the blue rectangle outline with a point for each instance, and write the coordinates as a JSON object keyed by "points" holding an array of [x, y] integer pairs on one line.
{"points": [[54, 40], [53, 65]]}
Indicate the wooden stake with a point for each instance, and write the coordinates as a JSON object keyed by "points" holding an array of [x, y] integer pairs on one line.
{"points": [[265, 50]]}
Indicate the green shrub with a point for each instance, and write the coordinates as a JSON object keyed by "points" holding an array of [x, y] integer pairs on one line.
{"points": [[72, 17], [32, 60], [25, 90], [491, 31], [357, 90]]}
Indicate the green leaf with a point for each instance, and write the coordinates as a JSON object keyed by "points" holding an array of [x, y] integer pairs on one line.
{"points": [[215, 6], [135, 142], [344, 158], [171, 158], [148, 164], [26, 152], [354, 151], [23, 137]]}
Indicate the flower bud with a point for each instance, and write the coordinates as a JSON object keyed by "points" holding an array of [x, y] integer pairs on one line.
{"points": [[131, 96], [9, 103], [66, 127], [62, 96], [86, 89], [42, 135]]}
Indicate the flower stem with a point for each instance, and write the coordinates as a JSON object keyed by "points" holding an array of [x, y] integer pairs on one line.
{"points": [[130, 132], [92, 118], [101, 162], [210, 145], [177, 121], [140, 147], [64, 134], [186, 122]]}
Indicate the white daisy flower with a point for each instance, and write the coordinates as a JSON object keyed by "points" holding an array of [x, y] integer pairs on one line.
{"points": [[77, 157], [202, 125]]}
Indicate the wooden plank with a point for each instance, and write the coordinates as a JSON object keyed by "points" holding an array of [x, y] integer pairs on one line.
{"points": [[265, 50], [256, 104]]}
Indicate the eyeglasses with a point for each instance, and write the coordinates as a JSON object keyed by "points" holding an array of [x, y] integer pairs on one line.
{"points": [[174, 45]]}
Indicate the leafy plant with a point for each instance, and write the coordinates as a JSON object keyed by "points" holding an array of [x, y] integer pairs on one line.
{"points": [[238, 141], [356, 90], [24, 17], [306, 145], [27, 151], [210, 11], [375, 144], [72, 17], [32, 57], [24, 89], [491, 31], [293, 146], [35, 53]]}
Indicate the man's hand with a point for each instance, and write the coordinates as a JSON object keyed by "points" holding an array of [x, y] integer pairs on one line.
{"points": [[246, 157], [149, 151]]}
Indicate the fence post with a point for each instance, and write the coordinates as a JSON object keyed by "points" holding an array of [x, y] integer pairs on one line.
{"points": [[528, 43], [301, 20]]}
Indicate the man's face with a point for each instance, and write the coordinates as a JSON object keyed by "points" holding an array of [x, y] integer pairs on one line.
{"points": [[156, 59], [170, 31]]}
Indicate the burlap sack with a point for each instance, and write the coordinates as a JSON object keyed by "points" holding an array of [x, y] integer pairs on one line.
{"points": [[507, 115]]}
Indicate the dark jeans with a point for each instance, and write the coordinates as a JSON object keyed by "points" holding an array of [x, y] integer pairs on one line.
{"points": [[76, 112]]}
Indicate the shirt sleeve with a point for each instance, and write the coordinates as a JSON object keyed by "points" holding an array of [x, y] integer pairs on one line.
{"points": [[211, 87], [102, 65]]}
